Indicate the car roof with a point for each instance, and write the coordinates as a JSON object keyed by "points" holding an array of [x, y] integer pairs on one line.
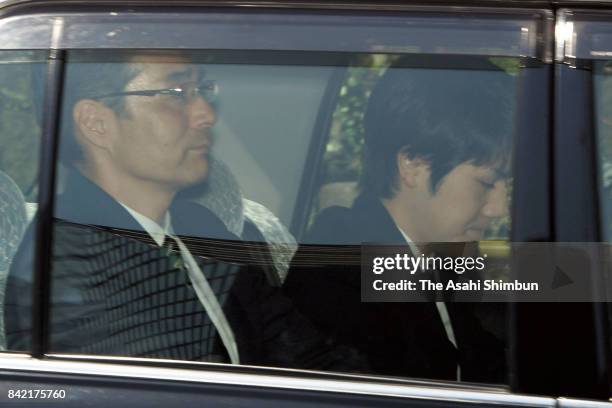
{"points": [[381, 5], [336, 4]]}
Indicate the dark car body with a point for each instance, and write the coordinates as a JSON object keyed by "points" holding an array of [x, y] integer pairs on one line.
{"points": [[559, 352]]}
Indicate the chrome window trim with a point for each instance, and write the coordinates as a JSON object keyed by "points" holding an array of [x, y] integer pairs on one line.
{"points": [[257, 370], [577, 403], [571, 40], [562, 36], [24, 363], [536, 42], [492, 6]]}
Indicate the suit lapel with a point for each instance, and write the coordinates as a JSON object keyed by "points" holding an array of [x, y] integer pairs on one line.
{"points": [[85, 203], [374, 220]]}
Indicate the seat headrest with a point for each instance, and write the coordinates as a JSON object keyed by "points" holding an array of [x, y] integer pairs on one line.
{"points": [[221, 194]]}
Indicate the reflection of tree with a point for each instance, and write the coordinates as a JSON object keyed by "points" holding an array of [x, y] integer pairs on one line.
{"points": [[19, 129], [343, 151]]}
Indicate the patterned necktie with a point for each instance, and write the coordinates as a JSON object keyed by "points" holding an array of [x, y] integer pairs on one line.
{"points": [[172, 250]]}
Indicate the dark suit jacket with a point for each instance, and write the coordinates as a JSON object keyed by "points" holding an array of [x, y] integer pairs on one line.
{"points": [[116, 293], [403, 339]]}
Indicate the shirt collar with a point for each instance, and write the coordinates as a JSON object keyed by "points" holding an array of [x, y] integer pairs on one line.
{"points": [[156, 231]]}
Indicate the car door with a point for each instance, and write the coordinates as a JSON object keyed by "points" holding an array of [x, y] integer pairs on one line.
{"points": [[581, 67], [294, 79]]}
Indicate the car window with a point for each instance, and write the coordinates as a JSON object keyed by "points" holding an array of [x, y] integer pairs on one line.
{"points": [[20, 95], [130, 280], [213, 199], [602, 88], [343, 158], [188, 306], [395, 111], [586, 44], [603, 105]]}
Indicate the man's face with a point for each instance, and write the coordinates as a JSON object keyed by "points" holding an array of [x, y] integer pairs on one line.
{"points": [[162, 139], [467, 199]]}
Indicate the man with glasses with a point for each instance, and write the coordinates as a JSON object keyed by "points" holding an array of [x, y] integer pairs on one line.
{"points": [[136, 271]]}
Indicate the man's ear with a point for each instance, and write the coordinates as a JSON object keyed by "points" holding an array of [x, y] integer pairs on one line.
{"points": [[412, 170], [93, 121]]}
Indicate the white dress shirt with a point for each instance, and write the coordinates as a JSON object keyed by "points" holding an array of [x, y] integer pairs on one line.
{"points": [[205, 294]]}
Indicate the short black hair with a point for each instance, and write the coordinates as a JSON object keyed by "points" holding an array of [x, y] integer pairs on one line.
{"points": [[446, 116], [85, 79]]}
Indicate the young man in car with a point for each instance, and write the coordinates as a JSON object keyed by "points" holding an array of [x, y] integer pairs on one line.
{"points": [[437, 143], [134, 270]]}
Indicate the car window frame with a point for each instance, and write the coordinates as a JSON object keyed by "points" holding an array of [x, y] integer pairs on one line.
{"points": [[47, 166]]}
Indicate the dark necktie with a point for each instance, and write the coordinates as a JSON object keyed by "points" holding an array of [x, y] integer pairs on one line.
{"points": [[172, 250]]}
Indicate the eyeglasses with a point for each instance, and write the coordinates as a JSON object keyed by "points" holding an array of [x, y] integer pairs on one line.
{"points": [[208, 90]]}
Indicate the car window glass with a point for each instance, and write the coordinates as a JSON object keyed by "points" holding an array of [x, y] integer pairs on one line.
{"points": [[602, 89], [174, 284], [21, 92], [603, 109], [434, 110], [342, 162], [202, 199]]}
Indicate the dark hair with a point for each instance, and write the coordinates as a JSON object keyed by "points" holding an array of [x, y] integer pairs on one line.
{"points": [[87, 79], [444, 116]]}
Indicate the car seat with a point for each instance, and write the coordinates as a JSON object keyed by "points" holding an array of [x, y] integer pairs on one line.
{"points": [[222, 195]]}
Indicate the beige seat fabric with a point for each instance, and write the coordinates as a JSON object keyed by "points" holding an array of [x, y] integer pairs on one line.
{"points": [[223, 196]]}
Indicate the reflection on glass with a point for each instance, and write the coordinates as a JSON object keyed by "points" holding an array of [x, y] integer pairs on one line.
{"points": [[419, 153], [603, 109], [21, 90], [227, 230]]}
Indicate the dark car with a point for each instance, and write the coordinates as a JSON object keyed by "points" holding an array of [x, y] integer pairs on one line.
{"points": [[274, 138]]}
